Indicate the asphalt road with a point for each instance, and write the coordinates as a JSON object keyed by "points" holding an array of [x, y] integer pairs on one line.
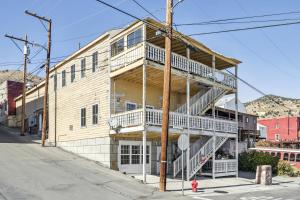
{"points": [[28, 171], [284, 194]]}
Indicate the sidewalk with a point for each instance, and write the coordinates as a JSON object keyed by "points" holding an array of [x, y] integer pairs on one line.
{"points": [[221, 186]]}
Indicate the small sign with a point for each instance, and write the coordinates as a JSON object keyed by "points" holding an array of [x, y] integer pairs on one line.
{"points": [[183, 142]]}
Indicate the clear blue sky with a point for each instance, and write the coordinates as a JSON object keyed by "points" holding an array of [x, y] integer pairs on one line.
{"points": [[269, 56]]}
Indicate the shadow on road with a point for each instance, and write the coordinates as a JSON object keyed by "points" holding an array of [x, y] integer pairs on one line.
{"points": [[12, 135]]}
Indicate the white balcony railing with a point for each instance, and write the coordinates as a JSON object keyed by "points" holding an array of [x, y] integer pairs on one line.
{"points": [[157, 54], [176, 120]]}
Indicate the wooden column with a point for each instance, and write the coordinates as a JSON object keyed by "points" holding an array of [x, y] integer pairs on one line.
{"points": [[214, 117], [144, 110], [237, 121], [188, 117]]}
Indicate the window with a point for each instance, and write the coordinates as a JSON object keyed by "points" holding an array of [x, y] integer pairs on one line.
{"points": [[292, 157], [247, 119], [135, 154], [83, 117], [273, 154], [132, 154], [134, 38], [149, 107], [72, 73], [55, 82], [285, 156], [83, 62], [277, 137], [130, 106], [95, 114], [117, 47], [147, 154], [95, 61], [63, 78], [298, 158], [277, 125], [125, 154], [278, 155]]}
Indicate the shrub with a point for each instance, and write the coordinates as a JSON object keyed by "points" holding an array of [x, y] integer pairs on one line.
{"points": [[284, 168], [248, 161], [263, 143]]}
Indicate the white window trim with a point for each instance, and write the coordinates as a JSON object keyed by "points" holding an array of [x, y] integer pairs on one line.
{"points": [[133, 168], [126, 43]]}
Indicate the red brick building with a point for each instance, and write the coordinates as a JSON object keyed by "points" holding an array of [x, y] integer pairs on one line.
{"points": [[9, 90], [283, 129]]}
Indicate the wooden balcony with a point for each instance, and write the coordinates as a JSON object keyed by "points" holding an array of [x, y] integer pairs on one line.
{"points": [[132, 121], [135, 56]]}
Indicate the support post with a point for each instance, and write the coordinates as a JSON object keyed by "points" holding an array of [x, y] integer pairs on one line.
{"points": [[214, 117], [188, 118], [166, 96], [237, 121], [144, 124], [45, 113], [24, 86], [144, 111]]}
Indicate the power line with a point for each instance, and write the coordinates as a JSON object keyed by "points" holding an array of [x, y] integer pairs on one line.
{"points": [[244, 29], [130, 15], [245, 22], [257, 90], [141, 6], [238, 18]]}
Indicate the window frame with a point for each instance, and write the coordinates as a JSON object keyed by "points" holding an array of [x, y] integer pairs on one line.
{"points": [[55, 82], [73, 74], [83, 117], [135, 40], [115, 49], [95, 116], [63, 78], [132, 103], [122, 154], [286, 158], [83, 67], [94, 61], [298, 157]]}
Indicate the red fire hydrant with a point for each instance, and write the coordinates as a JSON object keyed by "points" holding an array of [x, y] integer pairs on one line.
{"points": [[194, 185]]}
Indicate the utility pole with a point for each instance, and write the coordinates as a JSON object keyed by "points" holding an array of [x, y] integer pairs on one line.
{"points": [[166, 96], [25, 52], [44, 126]]}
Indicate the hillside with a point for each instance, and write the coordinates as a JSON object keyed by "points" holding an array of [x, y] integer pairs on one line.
{"points": [[17, 75], [265, 107]]}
